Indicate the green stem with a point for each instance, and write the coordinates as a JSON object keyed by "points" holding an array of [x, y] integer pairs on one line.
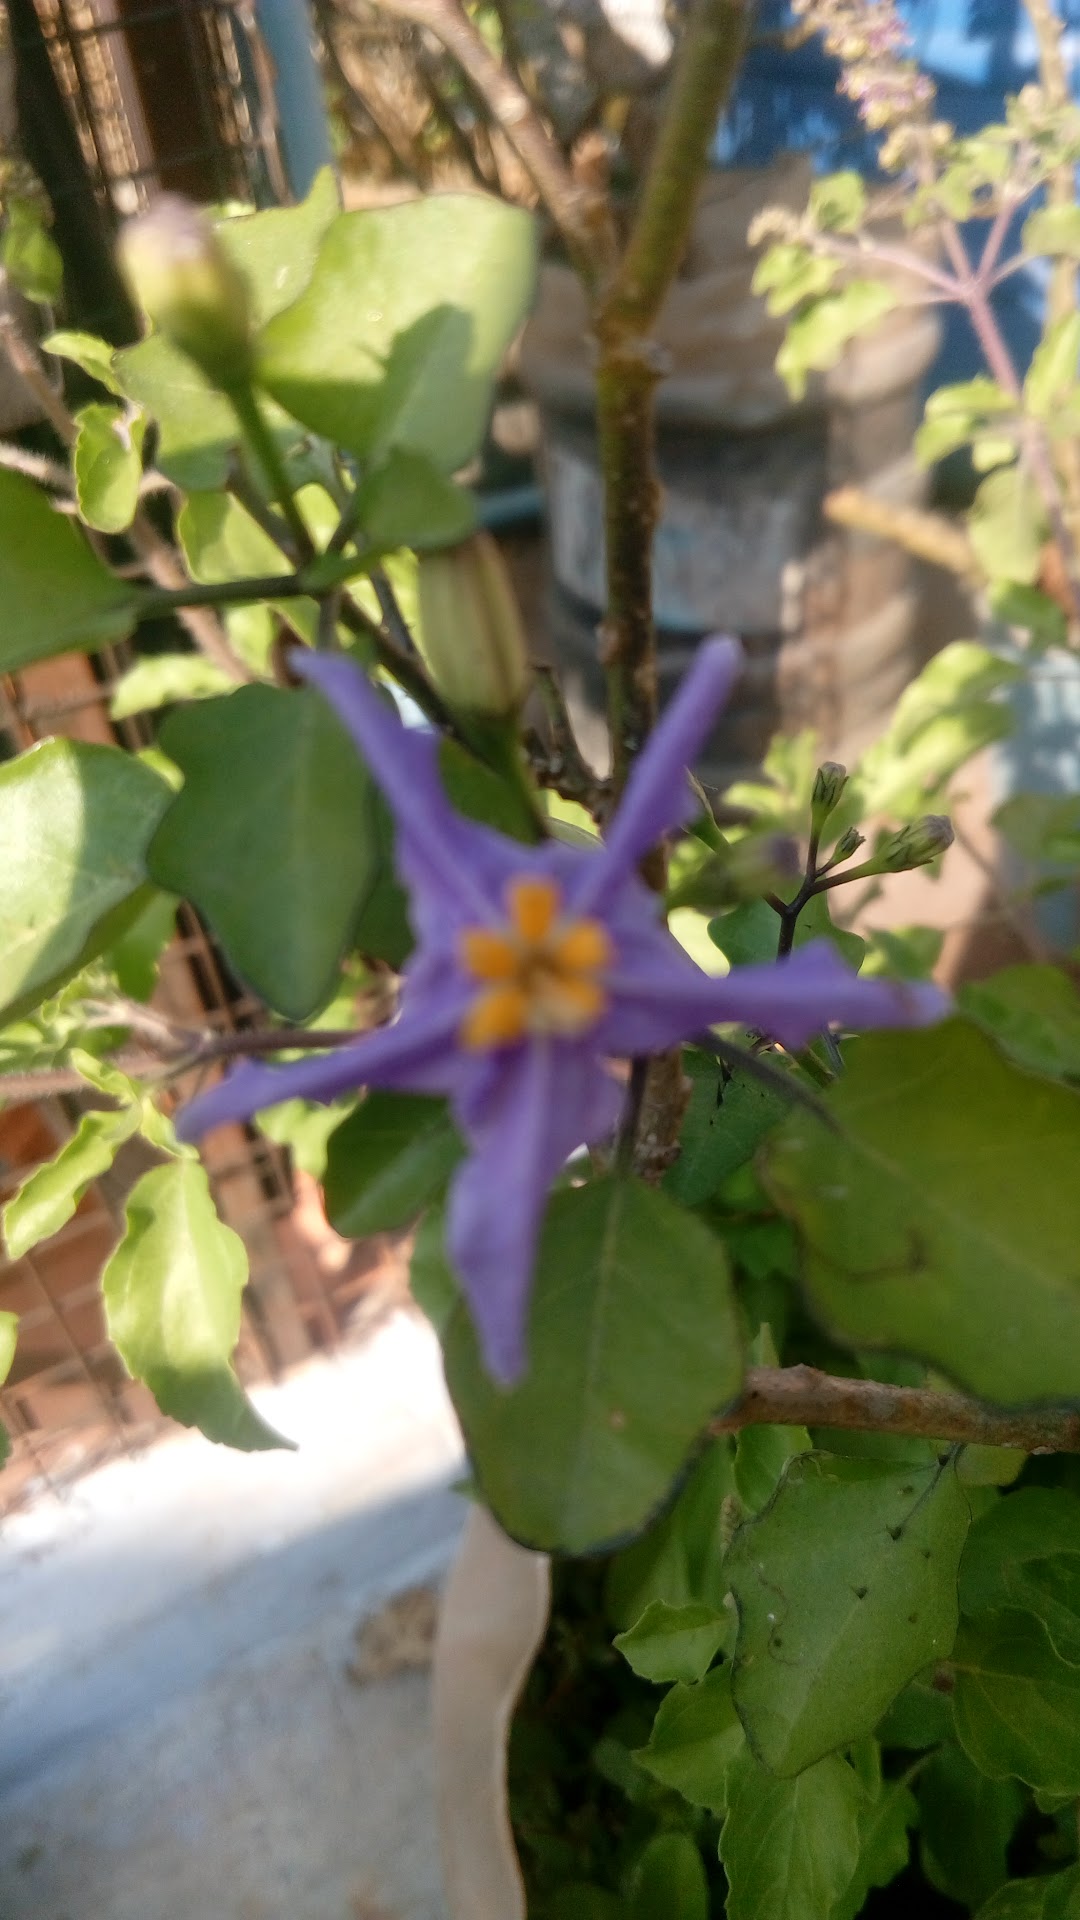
{"points": [[267, 453], [706, 63]]}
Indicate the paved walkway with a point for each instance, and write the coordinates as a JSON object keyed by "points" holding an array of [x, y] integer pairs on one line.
{"points": [[179, 1735]]}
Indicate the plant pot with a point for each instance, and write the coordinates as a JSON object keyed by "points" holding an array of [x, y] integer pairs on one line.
{"points": [[492, 1619], [826, 615]]}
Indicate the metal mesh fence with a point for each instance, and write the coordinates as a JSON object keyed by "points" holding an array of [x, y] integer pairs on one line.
{"points": [[69, 1403]]}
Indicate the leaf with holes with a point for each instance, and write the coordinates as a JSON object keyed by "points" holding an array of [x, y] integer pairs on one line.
{"points": [[846, 1589]]}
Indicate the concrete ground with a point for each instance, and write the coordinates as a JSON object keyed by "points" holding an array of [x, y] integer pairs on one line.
{"points": [[185, 1733]]}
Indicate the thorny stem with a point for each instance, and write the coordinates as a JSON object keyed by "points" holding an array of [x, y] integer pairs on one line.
{"points": [[801, 1396]]}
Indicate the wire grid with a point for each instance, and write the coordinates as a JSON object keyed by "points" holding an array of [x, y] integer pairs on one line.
{"points": [[69, 1403], [173, 94]]}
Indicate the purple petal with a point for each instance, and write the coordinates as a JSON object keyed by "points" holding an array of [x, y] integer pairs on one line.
{"points": [[660, 997], [443, 856], [657, 797], [415, 1055], [524, 1118]]}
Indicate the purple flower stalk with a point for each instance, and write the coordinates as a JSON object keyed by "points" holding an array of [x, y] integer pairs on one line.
{"points": [[536, 969]]}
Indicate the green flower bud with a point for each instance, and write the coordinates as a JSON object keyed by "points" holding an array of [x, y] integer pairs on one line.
{"points": [[848, 843], [471, 634], [188, 287], [829, 784], [915, 846]]}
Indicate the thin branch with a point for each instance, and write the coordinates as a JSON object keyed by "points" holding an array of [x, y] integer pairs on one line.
{"points": [[393, 619], [407, 669], [560, 764], [930, 536], [582, 219], [801, 1396]]}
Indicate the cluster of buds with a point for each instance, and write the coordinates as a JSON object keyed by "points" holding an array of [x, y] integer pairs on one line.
{"points": [[870, 40]]}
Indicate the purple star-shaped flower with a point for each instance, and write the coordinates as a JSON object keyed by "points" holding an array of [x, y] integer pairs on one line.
{"points": [[535, 969]]}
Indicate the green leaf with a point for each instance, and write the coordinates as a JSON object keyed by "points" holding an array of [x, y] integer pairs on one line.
{"points": [[789, 273], [950, 712], [221, 541], [304, 1126], [1053, 230], [920, 1718], [9, 1333], [838, 201], [56, 594], [398, 337], [1016, 1704], [1044, 827], [622, 1274], [762, 1453], [1025, 1553], [675, 1643], [1049, 1896], [1014, 605], [1033, 1012], [87, 351], [790, 1848], [846, 1589], [956, 415], [47, 1201], [679, 1559], [943, 1218], [696, 1736], [1007, 526], [668, 1882], [966, 1823], [407, 502], [172, 1302], [108, 466], [749, 933], [162, 678], [1053, 370], [387, 1162], [884, 1847], [818, 335], [270, 837], [75, 822], [729, 1114], [197, 428], [276, 250], [29, 255], [135, 956]]}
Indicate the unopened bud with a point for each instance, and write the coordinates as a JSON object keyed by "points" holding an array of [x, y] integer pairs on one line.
{"points": [[471, 634], [848, 843], [829, 784], [915, 846], [188, 287]]}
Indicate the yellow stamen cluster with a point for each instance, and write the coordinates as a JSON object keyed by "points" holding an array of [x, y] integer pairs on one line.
{"points": [[537, 975]]}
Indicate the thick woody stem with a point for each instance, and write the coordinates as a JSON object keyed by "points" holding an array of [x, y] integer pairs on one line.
{"points": [[801, 1396]]}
